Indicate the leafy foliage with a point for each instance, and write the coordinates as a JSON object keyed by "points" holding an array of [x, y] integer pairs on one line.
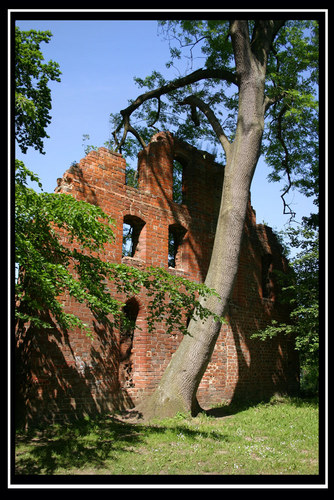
{"points": [[32, 94], [290, 139], [60, 246], [174, 298], [301, 292], [46, 263]]}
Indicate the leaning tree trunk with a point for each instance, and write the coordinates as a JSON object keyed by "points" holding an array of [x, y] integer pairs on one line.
{"points": [[179, 383]]}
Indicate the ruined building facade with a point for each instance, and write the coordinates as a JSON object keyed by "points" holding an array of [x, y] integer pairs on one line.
{"points": [[65, 374]]}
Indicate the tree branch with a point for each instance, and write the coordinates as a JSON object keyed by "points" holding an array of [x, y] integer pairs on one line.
{"points": [[157, 115], [241, 46], [201, 74], [127, 128], [269, 101], [114, 133], [193, 100], [286, 207], [247, 51], [137, 136], [263, 35], [196, 76]]}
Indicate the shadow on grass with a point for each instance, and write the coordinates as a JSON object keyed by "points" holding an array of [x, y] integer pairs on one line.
{"points": [[84, 443], [238, 406], [92, 444]]}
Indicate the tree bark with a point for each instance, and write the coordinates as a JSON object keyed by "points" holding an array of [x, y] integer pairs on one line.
{"points": [[177, 389], [178, 386]]}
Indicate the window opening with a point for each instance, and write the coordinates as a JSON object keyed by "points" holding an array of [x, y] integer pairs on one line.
{"points": [[177, 182], [171, 249], [266, 275], [127, 250], [128, 323], [175, 236], [131, 176], [132, 227]]}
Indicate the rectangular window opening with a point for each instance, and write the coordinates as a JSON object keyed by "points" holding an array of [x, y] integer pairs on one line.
{"points": [[175, 237], [133, 243], [178, 182]]}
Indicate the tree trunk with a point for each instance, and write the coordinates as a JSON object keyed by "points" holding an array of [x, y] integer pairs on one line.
{"points": [[178, 386]]}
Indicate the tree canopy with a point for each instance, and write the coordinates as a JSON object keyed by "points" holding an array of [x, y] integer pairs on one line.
{"points": [[32, 94], [300, 292], [202, 104]]}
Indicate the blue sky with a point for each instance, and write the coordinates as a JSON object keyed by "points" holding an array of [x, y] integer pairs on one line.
{"points": [[98, 60]]}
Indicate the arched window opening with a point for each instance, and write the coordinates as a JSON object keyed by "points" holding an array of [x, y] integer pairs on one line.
{"points": [[128, 324], [178, 188], [175, 238], [133, 244]]}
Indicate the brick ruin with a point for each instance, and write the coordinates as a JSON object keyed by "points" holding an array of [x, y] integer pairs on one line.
{"points": [[66, 374]]}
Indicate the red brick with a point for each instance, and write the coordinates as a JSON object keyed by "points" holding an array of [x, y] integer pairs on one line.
{"points": [[78, 368]]}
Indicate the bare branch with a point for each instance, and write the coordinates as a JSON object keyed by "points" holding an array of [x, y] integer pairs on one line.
{"points": [[157, 115], [245, 50], [194, 115], [194, 77], [137, 136], [213, 120], [127, 128], [263, 36], [269, 101], [115, 132], [286, 207], [241, 46]]}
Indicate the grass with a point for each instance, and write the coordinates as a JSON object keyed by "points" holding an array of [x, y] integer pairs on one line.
{"points": [[279, 437]]}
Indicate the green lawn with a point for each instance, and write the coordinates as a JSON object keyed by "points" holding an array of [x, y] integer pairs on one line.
{"points": [[279, 437]]}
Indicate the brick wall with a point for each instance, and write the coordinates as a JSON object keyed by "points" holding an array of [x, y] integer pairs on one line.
{"points": [[66, 374]]}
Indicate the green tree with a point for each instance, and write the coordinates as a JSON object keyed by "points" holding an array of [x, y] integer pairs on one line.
{"points": [[300, 290], [255, 93], [32, 94], [49, 268]]}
